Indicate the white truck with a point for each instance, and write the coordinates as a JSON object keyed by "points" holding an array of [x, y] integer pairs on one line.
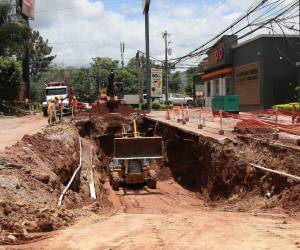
{"points": [[60, 91]]}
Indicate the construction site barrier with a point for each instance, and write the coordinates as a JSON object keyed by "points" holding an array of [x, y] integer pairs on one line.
{"points": [[273, 119]]}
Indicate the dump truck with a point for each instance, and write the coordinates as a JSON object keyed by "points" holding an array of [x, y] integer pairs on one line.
{"points": [[131, 160], [62, 91]]}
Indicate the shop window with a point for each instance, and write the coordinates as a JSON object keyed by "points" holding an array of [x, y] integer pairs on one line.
{"points": [[229, 86], [208, 89], [217, 87]]}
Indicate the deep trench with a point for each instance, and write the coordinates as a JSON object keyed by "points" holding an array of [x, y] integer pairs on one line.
{"points": [[215, 171]]}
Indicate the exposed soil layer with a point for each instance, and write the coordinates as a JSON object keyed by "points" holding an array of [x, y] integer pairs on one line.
{"points": [[40, 166], [222, 176], [195, 171]]}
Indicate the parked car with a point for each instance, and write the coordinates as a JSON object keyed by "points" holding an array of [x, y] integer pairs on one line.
{"points": [[179, 99], [81, 105]]}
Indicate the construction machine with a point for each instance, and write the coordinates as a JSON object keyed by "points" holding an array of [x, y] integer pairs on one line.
{"points": [[114, 92], [131, 161]]}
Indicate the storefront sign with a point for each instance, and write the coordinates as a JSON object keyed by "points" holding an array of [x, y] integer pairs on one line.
{"points": [[28, 8], [219, 54], [156, 82]]}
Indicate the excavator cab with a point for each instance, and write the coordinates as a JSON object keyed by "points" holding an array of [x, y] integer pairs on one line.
{"points": [[131, 161]]}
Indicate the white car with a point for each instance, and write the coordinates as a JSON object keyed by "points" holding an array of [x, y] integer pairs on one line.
{"points": [[179, 99]]}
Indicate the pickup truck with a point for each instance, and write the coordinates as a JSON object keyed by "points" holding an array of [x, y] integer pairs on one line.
{"points": [[179, 99]]}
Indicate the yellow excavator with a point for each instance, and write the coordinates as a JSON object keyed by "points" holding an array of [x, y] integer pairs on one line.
{"points": [[131, 161]]}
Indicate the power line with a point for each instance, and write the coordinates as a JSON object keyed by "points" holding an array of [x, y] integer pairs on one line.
{"points": [[199, 21], [281, 13]]}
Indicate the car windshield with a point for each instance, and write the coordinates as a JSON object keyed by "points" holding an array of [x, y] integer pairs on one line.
{"points": [[60, 91]]}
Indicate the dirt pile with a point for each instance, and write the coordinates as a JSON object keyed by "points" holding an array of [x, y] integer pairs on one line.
{"points": [[221, 174], [39, 167]]}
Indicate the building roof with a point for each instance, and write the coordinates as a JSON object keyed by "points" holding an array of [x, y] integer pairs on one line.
{"points": [[261, 37]]}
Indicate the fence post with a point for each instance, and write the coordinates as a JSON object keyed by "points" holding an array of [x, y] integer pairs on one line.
{"points": [[221, 131], [293, 113], [200, 126], [275, 135]]}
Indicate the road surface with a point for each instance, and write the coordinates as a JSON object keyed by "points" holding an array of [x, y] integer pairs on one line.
{"points": [[13, 129], [172, 218]]}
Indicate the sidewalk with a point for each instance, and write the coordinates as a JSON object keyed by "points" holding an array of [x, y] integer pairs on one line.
{"points": [[13, 129]]}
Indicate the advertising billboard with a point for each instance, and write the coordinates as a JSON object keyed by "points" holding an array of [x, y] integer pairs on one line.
{"points": [[156, 82], [28, 8]]}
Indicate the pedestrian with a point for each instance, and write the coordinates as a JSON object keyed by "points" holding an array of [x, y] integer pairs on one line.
{"points": [[51, 112]]}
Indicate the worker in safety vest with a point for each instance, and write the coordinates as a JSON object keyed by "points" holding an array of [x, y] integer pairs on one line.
{"points": [[51, 112], [74, 105]]}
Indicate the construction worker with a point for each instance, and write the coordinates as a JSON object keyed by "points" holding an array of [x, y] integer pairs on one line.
{"points": [[74, 105], [27, 103], [51, 112]]}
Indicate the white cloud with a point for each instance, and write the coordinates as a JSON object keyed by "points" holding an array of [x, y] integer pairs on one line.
{"points": [[91, 30]]}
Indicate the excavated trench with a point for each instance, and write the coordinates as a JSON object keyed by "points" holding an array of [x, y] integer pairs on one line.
{"points": [[220, 174]]}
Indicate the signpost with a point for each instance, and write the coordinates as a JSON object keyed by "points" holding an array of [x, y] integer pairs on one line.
{"points": [[28, 7], [156, 82]]}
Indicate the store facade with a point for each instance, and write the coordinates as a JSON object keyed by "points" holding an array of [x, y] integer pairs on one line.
{"points": [[261, 71]]}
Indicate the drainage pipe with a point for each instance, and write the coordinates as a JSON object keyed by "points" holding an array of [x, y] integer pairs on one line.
{"points": [[91, 181], [297, 178], [74, 175]]}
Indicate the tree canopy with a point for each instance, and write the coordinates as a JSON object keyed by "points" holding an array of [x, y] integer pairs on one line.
{"points": [[14, 32], [40, 54], [10, 78]]}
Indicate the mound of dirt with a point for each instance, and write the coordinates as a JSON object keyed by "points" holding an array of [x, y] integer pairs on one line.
{"points": [[39, 167]]}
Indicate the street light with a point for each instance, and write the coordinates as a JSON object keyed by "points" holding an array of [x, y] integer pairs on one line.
{"points": [[146, 5]]}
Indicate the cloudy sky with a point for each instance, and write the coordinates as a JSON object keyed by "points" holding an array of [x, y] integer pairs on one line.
{"points": [[79, 30]]}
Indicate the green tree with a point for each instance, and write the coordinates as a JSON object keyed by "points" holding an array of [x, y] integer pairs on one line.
{"points": [[14, 32], [188, 89], [40, 54], [10, 78], [191, 72], [129, 79], [84, 84], [175, 82]]}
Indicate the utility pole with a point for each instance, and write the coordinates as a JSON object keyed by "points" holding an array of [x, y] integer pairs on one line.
{"points": [[165, 36], [146, 5], [26, 65], [122, 49], [26, 58], [140, 82]]}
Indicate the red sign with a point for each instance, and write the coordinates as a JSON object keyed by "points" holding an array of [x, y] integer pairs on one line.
{"points": [[28, 8], [219, 54]]}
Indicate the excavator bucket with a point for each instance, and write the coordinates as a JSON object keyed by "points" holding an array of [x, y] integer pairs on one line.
{"points": [[138, 148]]}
